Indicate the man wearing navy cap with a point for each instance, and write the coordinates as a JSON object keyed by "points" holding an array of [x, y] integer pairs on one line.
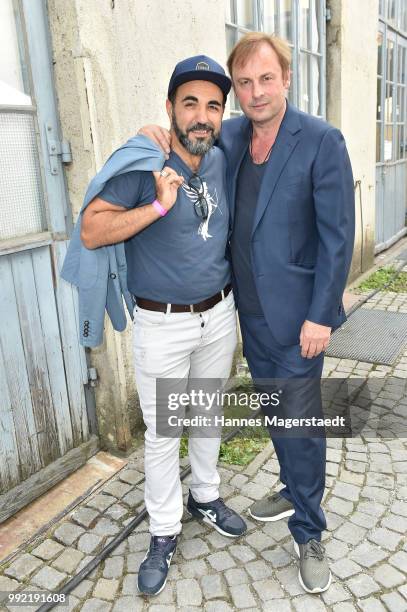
{"points": [[175, 224]]}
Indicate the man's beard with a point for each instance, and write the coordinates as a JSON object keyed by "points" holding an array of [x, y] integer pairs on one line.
{"points": [[199, 146]]}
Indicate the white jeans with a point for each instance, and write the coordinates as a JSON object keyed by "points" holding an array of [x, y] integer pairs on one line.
{"points": [[177, 345]]}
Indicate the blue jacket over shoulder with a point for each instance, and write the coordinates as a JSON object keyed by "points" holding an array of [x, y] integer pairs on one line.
{"points": [[101, 274]]}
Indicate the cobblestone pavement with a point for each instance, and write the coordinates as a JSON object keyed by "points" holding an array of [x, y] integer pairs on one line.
{"points": [[366, 509]]}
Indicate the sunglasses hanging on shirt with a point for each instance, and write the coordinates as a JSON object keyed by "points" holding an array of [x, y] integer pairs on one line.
{"points": [[196, 185]]}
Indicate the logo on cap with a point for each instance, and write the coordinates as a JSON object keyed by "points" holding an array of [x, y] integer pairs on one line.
{"points": [[202, 66]]}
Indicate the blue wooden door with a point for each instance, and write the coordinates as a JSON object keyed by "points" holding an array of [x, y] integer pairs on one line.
{"points": [[44, 392]]}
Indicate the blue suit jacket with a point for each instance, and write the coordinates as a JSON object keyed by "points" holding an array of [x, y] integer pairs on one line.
{"points": [[101, 274], [303, 230]]}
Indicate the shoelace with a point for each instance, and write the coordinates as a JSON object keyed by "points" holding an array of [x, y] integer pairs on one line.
{"points": [[275, 497], [314, 550], [222, 507], [155, 556]]}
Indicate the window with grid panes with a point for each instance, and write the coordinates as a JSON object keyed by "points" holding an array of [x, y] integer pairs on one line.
{"points": [[394, 12], [302, 24], [391, 141]]}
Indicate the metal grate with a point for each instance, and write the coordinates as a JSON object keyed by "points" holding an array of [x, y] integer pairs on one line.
{"points": [[375, 336], [21, 198]]}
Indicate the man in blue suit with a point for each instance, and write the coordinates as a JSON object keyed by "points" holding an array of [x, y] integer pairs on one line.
{"points": [[292, 216], [292, 233]]}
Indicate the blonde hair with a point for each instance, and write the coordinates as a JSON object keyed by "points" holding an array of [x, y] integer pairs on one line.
{"points": [[249, 44]]}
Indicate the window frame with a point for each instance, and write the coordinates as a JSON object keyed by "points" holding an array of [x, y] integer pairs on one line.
{"points": [[319, 6], [391, 33], [396, 24]]}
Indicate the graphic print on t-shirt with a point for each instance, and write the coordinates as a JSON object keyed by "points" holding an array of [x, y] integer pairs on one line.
{"points": [[212, 202]]}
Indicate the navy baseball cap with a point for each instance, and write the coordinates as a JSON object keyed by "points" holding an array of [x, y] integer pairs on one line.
{"points": [[199, 68]]}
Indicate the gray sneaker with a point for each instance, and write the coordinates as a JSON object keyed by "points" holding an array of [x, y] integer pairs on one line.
{"points": [[272, 508], [314, 573]]}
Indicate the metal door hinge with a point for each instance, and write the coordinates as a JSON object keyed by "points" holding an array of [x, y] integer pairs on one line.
{"points": [[328, 14], [57, 148], [93, 377]]}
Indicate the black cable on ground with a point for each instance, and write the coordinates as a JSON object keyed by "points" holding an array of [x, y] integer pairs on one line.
{"points": [[119, 538]]}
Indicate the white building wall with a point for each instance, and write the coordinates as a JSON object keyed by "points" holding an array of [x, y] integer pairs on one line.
{"points": [[351, 106], [113, 60]]}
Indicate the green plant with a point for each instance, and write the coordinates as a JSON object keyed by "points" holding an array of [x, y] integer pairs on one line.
{"points": [[378, 279], [241, 451], [183, 449], [238, 451]]}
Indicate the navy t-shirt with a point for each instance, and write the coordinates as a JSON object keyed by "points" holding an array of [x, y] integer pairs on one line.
{"points": [[178, 259], [247, 193]]}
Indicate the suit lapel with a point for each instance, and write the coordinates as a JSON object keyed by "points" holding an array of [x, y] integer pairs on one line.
{"points": [[239, 151], [286, 141]]}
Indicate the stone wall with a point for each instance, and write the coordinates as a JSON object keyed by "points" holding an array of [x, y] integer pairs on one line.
{"points": [[351, 106]]}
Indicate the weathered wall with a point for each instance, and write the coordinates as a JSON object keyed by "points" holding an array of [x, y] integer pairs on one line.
{"points": [[112, 61], [351, 106]]}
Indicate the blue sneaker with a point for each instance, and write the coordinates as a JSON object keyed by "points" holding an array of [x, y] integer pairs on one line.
{"points": [[216, 513], [152, 575]]}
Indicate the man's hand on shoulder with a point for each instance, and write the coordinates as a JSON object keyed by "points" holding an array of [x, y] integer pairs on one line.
{"points": [[314, 339], [159, 135]]}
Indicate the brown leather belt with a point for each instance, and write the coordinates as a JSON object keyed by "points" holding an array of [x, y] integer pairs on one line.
{"points": [[199, 307]]}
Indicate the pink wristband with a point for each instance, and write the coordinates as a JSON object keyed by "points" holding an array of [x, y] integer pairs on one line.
{"points": [[160, 209]]}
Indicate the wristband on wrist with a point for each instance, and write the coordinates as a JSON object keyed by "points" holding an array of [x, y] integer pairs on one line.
{"points": [[160, 209]]}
